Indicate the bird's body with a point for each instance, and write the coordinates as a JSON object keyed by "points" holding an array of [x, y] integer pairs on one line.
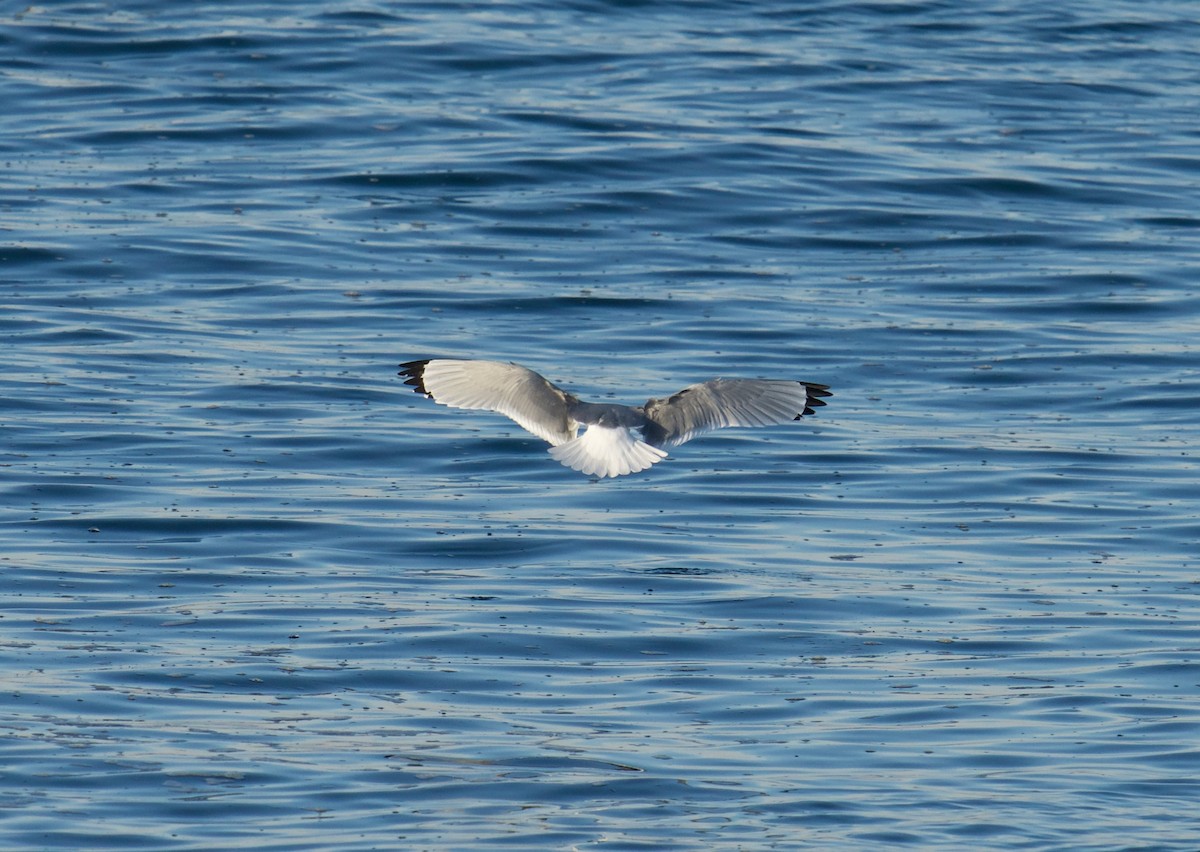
{"points": [[618, 439]]}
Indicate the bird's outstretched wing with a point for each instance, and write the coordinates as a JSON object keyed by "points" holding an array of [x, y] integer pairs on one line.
{"points": [[729, 402], [506, 388]]}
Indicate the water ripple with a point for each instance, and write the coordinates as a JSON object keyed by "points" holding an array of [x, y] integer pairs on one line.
{"points": [[248, 572]]}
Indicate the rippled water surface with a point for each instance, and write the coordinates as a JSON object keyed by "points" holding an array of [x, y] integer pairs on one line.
{"points": [[256, 594]]}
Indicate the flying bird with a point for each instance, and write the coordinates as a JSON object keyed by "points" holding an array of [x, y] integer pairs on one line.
{"points": [[618, 439]]}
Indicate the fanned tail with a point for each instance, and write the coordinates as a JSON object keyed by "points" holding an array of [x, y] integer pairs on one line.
{"points": [[603, 451]]}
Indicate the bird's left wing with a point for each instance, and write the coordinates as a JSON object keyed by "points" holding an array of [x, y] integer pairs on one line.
{"points": [[506, 388], [729, 402]]}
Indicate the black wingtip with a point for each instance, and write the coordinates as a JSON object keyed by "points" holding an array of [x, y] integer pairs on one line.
{"points": [[815, 392], [414, 375]]}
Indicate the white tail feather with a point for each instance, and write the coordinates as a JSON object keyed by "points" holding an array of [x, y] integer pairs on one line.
{"points": [[602, 451]]}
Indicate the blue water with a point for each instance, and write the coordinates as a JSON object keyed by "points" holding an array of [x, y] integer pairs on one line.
{"points": [[256, 594]]}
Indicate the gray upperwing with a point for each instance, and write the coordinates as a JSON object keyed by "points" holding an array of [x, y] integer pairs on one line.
{"points": [[728, 402], [506, 388]]}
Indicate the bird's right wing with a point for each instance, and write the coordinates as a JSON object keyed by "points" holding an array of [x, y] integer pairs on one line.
{"points": [[729, 402], [506, 388]]}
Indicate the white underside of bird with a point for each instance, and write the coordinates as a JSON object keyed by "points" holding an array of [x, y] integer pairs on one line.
{"points": [[605, 451]]}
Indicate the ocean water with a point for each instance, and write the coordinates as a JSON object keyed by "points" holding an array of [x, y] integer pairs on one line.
{"points": [[257, 594]]}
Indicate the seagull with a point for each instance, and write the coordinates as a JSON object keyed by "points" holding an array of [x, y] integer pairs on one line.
{"points": [[618, 439]]}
